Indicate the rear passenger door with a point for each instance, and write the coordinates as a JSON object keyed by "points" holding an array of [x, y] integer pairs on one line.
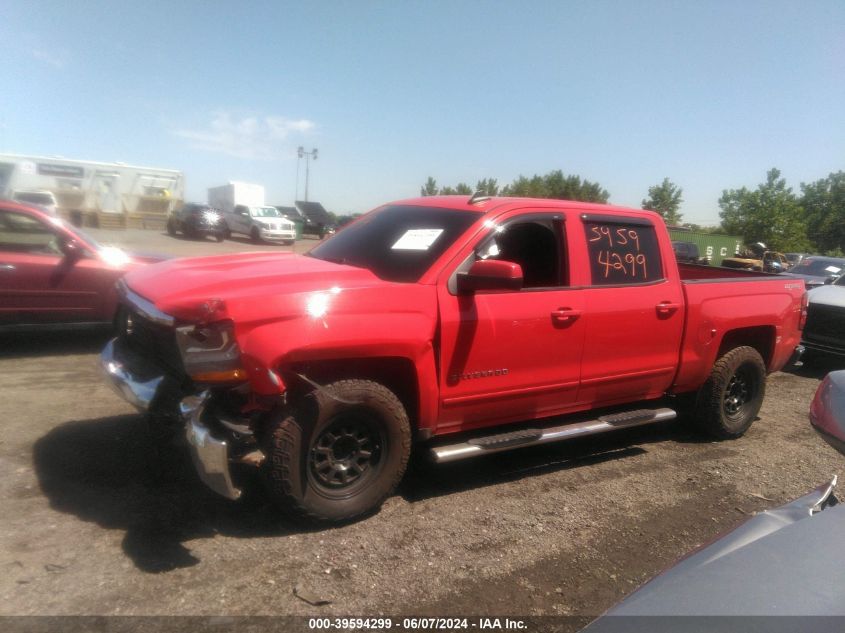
{"points": [[634, 312]]}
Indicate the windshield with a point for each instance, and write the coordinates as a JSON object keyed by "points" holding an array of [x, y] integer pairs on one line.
{"points": [[820, 267], [264, 212], [44, 199], [397, 243]]}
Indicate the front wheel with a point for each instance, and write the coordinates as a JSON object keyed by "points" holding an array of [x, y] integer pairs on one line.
{"points": [[731, 398], [255, 235], [171, 228], [340, 454]]}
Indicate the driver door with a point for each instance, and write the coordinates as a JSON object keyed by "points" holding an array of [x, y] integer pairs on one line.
{"points": [[241, 220], [510, 355]]}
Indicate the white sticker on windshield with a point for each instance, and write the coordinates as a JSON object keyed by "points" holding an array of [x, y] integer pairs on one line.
{"points": [[416, 240], [833, 269]]}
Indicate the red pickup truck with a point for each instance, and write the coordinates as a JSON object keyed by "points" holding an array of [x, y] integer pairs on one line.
{"points": [[469, 325]]}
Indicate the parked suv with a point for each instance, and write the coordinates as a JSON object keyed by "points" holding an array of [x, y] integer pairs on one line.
{"points": [[687, 253], [197, 220], [260, 224]]}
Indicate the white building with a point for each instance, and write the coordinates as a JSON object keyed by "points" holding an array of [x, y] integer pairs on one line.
{"points": [[94, 193]]}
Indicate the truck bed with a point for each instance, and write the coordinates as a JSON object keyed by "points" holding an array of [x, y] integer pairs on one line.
{"points": [[697, 272], [725, 303]]}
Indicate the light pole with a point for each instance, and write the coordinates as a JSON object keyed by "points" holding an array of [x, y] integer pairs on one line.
{"points": [[301, 153]]}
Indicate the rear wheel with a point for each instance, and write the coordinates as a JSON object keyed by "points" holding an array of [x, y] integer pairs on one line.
{"points": [[731, 398], [341, 454], [227, 232]]}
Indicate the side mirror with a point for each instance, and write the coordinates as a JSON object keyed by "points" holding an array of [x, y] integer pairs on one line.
{"points": [[71, 249], [490, 274], [827, 410], [829, 280]]}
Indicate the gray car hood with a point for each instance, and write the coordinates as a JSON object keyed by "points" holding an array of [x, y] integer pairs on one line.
{"points": [[781, 562]]}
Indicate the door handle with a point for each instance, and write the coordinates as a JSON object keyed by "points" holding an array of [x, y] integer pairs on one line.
{"points": [[565, 315], [7, 267], [665, 308]]}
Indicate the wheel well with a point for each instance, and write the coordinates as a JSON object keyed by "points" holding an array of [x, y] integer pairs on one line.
{"points": [[396, 373], [761, 338]]}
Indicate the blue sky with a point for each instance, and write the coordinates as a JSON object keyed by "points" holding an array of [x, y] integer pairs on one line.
{"points": [[710, 94]]}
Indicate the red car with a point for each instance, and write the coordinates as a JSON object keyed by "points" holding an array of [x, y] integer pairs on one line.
{"points": [[51, 272]]}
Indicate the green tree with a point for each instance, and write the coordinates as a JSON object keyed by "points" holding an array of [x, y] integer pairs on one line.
{"points": [[488, 186], [553, 185], [429, 188], [770, 214], [558, 186], [666, 199], [824, 208]]}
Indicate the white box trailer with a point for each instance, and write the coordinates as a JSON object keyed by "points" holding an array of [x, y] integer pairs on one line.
{"points": [[226, 197], [95, 193]]}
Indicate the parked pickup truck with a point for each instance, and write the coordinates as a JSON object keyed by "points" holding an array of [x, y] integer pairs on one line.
{"points": [[467, 326]]}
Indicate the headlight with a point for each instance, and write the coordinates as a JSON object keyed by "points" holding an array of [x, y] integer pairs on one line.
{"points": [[210, 352]]}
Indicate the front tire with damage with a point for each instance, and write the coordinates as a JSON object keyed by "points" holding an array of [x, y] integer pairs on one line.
{"points": [[732, 396], [340, 454]]}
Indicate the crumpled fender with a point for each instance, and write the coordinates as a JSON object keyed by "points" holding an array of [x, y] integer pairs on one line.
{"points": [[399, 322]]}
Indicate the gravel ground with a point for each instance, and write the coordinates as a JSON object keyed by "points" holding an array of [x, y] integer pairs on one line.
{"points": [[95, 522]]}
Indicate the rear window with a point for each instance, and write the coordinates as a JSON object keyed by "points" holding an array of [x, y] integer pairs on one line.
{"points": [[622, 252], [397, 243]]}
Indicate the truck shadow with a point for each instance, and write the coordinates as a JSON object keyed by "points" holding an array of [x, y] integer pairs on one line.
{"points": [[54, 342], [108, 472]]}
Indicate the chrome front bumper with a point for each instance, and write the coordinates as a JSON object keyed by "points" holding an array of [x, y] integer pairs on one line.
{"points": [[269, 234], [137, 388], [210, 455], [138, 383]]}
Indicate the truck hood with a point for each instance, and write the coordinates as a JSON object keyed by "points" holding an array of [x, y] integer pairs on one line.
{"points": [[246, 287]]}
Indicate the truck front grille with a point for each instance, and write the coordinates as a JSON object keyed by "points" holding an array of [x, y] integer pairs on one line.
{"points": [[825, 325], [151, 340]]}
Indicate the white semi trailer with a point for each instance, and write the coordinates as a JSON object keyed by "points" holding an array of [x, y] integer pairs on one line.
{"points": [[96, 193]]}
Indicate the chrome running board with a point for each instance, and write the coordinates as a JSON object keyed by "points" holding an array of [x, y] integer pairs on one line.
{"points": [[531, 437]]}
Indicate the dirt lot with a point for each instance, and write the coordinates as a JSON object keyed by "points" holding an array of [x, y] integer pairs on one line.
{"points": [[95, 522]]}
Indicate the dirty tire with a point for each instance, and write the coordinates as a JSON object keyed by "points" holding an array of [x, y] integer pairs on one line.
{"points": [[340, 454], [731, 398]]}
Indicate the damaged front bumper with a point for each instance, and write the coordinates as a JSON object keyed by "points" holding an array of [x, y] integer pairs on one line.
{"points": [[141, 384], [134, 380], [209, 454]]}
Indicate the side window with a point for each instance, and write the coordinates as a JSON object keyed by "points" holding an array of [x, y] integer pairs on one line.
{"points": [[622, 252], [534, 245], [21, 233]]}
